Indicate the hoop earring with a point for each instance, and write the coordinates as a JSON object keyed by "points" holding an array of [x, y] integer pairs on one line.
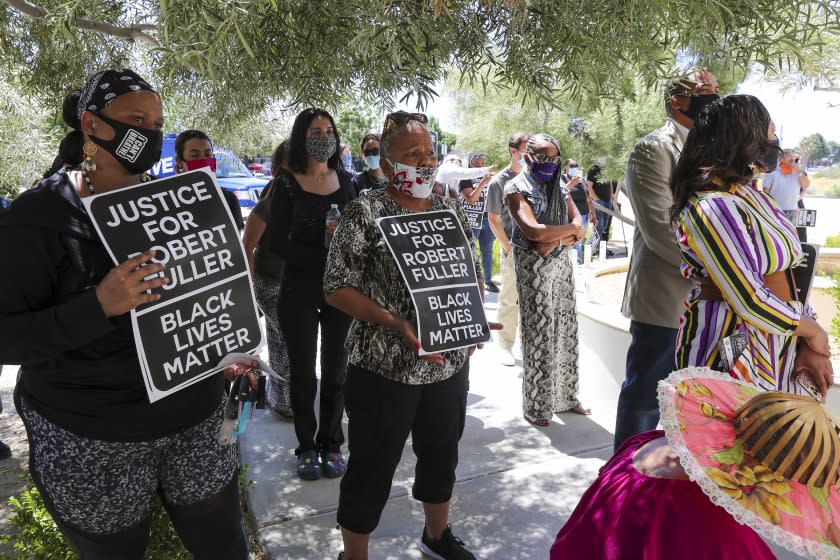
{"points": [[88, 156]]}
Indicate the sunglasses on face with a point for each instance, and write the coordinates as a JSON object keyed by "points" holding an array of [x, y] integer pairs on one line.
{"points": [[402, 117], [573, 166], [372, 152], [543, 158]]}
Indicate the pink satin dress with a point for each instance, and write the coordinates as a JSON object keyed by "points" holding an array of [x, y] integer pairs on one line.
{"points": [[626, 515]]}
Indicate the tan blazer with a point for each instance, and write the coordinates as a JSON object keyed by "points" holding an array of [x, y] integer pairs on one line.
{"points": [[655, 289]]}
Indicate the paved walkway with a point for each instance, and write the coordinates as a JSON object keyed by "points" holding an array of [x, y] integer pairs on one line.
{"points": [[516, 483]]}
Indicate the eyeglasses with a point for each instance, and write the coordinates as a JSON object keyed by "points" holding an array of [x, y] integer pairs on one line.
{"points": [[402, 117], [373, 152], [544, 158], [573, 166]]}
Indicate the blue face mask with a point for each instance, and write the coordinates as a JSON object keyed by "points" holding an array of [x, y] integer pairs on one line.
{"points": [[372, 162], [347, 160]]}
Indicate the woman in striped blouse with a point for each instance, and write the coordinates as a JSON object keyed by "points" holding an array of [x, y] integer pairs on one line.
{"points": [[739, 247]]}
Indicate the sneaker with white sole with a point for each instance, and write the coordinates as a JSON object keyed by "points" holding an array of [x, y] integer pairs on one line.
{"points": [[506, 357], [449, 547]]}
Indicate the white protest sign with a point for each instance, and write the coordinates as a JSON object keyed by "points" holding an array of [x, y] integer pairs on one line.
{"points": [[436, 263], [207, 310]]}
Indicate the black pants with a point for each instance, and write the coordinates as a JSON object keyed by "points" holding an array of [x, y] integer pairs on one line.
{"points": [[382, 413], [301, 310]]}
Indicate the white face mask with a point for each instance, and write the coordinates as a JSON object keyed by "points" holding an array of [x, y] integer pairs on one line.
{"points": [[413, 181]]}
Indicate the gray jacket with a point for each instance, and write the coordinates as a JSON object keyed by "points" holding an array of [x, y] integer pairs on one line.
{"points": [[655, 289]]}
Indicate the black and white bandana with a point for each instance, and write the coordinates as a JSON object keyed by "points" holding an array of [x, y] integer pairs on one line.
{"points": [[104, 87]]}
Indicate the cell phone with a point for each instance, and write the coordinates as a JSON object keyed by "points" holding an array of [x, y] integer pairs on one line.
{"points": [[806, 381], [730, 349]]}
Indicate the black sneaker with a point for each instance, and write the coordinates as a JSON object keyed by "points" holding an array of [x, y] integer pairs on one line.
{"points": [[491, 287], [449, 547]]}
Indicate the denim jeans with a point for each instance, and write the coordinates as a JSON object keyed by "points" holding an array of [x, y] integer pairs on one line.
{"points": [[485, 239], [579, 246], [650, 358], [604, 220]]}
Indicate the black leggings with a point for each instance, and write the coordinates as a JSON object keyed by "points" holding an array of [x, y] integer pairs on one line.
{"points": [[210, 530], [301, 310]]}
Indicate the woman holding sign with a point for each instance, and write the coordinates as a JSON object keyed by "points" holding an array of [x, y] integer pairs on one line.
{"points": [[738, 246], [392, 391], [99, 451]]}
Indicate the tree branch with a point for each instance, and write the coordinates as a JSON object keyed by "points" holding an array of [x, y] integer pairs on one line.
{"points": [[133, 33]]}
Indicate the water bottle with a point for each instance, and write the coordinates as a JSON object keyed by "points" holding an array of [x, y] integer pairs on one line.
{"points": [[333, 216]]}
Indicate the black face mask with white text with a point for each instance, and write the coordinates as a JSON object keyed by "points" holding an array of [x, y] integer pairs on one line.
{"points": [[136, 149]]}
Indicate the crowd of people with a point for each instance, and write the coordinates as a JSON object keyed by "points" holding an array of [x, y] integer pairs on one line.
{"points": [[711, 260]]}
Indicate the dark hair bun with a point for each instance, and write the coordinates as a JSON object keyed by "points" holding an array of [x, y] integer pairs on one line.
{"points": [[70, 148], [69, 109]]}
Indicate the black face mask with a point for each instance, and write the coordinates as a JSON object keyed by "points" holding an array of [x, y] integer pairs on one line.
{"points": [[137, 149], [770, 159], [698, 102]]}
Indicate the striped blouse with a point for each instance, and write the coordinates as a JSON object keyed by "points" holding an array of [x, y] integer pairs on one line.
{"points": [[736, 237]]}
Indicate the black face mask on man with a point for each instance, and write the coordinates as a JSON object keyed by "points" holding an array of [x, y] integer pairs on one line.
{"points": [[136, 149], [698, 102]]}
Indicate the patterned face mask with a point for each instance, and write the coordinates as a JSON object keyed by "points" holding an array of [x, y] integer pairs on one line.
{"points": [[321, 148], [414, 181]]}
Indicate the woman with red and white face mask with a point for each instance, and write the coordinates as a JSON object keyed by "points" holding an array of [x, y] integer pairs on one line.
{"points": [[194, 150], [391, 390]]}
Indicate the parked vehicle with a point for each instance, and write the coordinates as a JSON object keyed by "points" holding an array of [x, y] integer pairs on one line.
{"points": [[231, 173]]}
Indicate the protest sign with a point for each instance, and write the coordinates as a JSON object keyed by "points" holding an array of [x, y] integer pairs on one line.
{"points": [[207, 310], [436, 263], [475, 211]]}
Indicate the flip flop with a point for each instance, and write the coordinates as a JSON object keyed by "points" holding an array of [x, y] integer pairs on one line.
{"points": [[539, 422], [578, 409]]}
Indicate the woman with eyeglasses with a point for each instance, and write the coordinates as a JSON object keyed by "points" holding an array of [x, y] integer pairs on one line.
{"points": [[547, 224], [579, 191], [372, 177], [99, 452], [299, 206], [392, 391], [738, 246]]}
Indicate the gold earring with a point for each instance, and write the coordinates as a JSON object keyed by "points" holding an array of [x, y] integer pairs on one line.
{"points": [[89, 150]]}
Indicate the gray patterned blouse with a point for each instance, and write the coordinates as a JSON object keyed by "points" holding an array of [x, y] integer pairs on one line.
{"points": [[548, 201], [360, 259]]}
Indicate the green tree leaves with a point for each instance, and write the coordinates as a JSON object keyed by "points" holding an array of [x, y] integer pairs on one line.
{"points": [[317, 53]]}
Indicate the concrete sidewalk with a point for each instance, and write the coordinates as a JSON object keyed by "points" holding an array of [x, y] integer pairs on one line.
{"points": [[516, 483]]}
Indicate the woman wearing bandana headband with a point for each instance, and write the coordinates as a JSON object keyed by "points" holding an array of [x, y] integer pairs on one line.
{"points": [[299, 206], [391, 390], [99, 451], [740, 250]]}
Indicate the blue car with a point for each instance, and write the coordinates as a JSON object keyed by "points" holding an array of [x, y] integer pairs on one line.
{"points": [[231, 173]]}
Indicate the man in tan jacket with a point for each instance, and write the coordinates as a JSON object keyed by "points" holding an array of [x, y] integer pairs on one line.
{"points": [[655, 289]]}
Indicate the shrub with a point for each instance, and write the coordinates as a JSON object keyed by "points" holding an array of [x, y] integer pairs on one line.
{"points": [[38, 538], [833, 240]]}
